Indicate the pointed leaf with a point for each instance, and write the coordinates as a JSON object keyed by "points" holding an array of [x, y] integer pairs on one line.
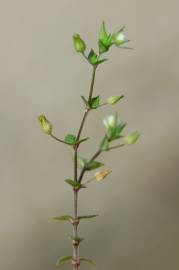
{"points": [[104, 144], [63, 259], [78, 239], [70, 138], [83, 140], [64, 218], [85, 101], [92, 57], [81, 162], [74, 184], [94, 102], [87, 217], [87, 260], [92, 165], [101, 61]]}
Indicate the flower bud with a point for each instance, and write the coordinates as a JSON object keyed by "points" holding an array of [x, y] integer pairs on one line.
{"points": [[110, 121], [131, 138], [78, 43], [102, 174], [45, 124], [114, 99], [119, 38]]}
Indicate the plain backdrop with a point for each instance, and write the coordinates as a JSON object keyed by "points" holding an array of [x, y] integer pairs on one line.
{"points": [[138, 223]]}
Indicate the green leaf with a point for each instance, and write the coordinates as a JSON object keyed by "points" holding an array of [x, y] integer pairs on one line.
{"points": [[92, 57], [101, 61], [64, 218], [87, 217], [92, 165], [85, 101], [63, 259], [74, 184], [78, 239], [81, 162], [70, 138], [104, 144], [94, 102], [83, 140], [87, 260]]}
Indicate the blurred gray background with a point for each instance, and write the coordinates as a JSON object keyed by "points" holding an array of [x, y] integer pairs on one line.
{"points": [[138, 226]]}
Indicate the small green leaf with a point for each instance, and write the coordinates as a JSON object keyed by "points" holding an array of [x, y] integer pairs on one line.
{"points": [[74, 184], [64, 218], [83, 140], [78, 239], [87, 217], [101, 61], [70, 138], [94, 102], [104, 144], [85, 101], [92, 57], [63, 259], [81, 162], [92, 165], [87, 260]]}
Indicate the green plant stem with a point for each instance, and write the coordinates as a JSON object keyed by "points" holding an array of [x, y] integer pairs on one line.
{"points": [[92, 83], [59, 140], [76, 260], [84, 169]]}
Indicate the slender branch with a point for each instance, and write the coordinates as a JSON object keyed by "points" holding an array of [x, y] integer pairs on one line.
{"points": [[82, 123], [92, 83], [59, 140], [115, 147]]}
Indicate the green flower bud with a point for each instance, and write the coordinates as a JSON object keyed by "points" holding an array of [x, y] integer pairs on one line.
{"points": [[131, 138], [114, 99], [119, 38], [78, 43], [45, 124]]}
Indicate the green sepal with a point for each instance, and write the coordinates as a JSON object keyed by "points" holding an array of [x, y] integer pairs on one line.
{"points": [[78, 239], [92, 57], [87, 260], [63, 259], [92, 165], [87, 217], [104, 143], [102, 47], [94, 103], [74, 184], [102, 33], [64, 218], [70, 139]]}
